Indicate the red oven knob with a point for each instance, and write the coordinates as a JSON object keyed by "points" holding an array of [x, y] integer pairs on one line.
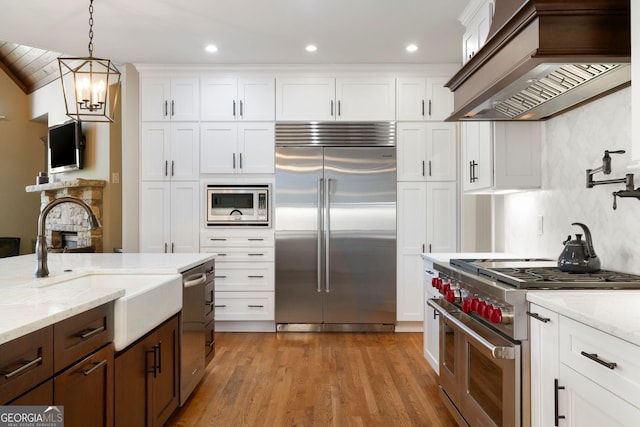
{"points": [[439, 283], [467, 305], [474, 304], [481, 308], [434, 282], [496, 316], [488, 311], [445, 288]]}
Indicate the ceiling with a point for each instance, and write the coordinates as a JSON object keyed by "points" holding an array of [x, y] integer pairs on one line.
{"points": [[244, 31]]}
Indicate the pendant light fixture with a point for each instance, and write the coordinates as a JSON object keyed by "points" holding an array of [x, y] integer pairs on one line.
{"points": [[90, 85]]}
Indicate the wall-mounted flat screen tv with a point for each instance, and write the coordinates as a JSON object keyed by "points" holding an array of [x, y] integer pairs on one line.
{"points": [[66, 147]]}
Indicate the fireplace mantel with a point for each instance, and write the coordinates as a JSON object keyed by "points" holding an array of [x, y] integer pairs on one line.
{"points": [[68, 217]]}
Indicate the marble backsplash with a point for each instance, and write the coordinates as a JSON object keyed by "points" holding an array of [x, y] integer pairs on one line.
{"points": [[575, 141]]}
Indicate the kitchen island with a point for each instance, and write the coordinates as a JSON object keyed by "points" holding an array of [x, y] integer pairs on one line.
{"points": [[30, 303]]}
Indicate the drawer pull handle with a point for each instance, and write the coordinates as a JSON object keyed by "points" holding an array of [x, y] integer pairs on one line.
{"points": [[220, 277], [255, 306], [210, 344], [221, 254], [595, 358], [256, 239], [91, 332], [538, 317], [557, 388], [96, 365], [220, 306], [256, 254], [210, 304], [255, 277], [24, 367], [216, 239]]}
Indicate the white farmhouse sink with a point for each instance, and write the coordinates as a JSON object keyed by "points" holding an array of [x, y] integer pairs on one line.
{"points": [[148, 301]]}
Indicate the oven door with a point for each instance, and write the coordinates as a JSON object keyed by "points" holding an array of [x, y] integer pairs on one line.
{"points": [[480, 370]]}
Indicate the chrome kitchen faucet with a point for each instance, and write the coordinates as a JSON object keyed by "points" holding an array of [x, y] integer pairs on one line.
{"points": [[41, 245]]}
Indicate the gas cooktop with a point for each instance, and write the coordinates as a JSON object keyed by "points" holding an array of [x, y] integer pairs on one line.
{"points": [[537, 273]]}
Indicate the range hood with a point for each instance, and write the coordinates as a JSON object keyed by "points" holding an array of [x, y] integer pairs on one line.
{"points": [[543, 57]]}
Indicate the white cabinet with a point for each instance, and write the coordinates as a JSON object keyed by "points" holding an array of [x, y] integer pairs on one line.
{"points": [[169, 213], [476, 19], [441, 216], [501, 156], [169, 99], [543, 339], [328, 98], [591, 377], [169, 151], [426, 151], [227, 99], [423, 98], [431, 327], [229, 147], [426, 222], [245, 275]]}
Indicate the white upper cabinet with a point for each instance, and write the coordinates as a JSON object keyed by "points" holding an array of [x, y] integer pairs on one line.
{"points": [[501, 156], [299, 98], [426, 151], [169, 99], [227, 99], [476, 19], [169, 151], [326, 98], [234, 148], [423, 98], [365, 99]]}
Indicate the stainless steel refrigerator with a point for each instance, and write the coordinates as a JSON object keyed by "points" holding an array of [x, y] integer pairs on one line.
{"points": [[335, 226]]}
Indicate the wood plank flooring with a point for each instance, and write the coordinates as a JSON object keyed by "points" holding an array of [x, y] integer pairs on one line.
{"points": [[316, 379]]}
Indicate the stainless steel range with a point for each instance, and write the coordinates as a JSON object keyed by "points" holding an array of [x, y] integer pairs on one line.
{"points": [[484, 348]]}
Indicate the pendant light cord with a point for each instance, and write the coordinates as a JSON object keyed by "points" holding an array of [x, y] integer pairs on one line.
{"points": [[91, 29]]}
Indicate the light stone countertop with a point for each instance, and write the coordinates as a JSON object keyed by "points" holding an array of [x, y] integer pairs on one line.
{"points": [[611, 311], [30, 303], [446, 256]]}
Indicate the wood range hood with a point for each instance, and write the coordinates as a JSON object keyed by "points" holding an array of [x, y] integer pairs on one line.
{"points": [[543, 57]]}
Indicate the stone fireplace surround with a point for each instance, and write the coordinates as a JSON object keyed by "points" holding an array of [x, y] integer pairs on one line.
{"points": [[69, 217]]}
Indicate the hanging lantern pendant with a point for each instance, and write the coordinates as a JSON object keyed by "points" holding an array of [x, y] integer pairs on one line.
{"points": [[90, 85]]}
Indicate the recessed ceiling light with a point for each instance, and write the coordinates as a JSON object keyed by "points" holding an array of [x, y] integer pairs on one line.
{"points": [[211, 48], [311, 48], [411, 48]]}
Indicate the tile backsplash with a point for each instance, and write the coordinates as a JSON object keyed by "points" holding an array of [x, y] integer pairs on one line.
{"points": [[575, 141]]}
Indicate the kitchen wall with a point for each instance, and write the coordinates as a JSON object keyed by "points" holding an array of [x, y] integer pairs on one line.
{"points": [[22, 156], [575, 141]]}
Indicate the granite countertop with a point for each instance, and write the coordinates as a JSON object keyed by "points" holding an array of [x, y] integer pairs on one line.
{"points": [[611, 311], [30, 303]]}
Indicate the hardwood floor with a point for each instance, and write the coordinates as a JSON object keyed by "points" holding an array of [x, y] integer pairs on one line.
{"points": [[316, 379]]}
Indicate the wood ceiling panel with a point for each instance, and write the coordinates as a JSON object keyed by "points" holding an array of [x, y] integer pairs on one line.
{"points": [[29, 67]]}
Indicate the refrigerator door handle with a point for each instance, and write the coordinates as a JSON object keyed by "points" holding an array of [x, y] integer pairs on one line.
{"points": [[320, 228], [327, 228]]}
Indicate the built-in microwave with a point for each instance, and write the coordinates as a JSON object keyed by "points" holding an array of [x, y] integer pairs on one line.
{"points": [[238, 205]]}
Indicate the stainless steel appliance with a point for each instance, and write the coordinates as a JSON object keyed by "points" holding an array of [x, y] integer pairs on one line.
{"points": [[484, 347], [237, 205], [193, 344], [335, 226]]}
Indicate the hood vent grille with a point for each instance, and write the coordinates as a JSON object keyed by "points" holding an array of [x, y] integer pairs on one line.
{"points": [[551, 86]]}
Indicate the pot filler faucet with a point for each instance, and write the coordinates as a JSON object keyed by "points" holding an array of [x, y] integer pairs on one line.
{"points": [[41, 245], [629, 190]]}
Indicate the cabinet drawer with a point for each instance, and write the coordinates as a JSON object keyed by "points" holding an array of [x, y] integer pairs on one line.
{"points": [[582, 347], [227, 239], [245, 306], [26, 361], [209, 341], [245, 277], [82, 334], [243, 254]]}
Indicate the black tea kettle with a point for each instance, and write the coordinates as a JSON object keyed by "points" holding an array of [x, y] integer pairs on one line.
{"points": [[578, 255]]}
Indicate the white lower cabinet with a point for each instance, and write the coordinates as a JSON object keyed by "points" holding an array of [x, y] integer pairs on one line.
{"points": [[245, 276], [426, 222], [431, 326], [581, 376], [169, 213]]}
